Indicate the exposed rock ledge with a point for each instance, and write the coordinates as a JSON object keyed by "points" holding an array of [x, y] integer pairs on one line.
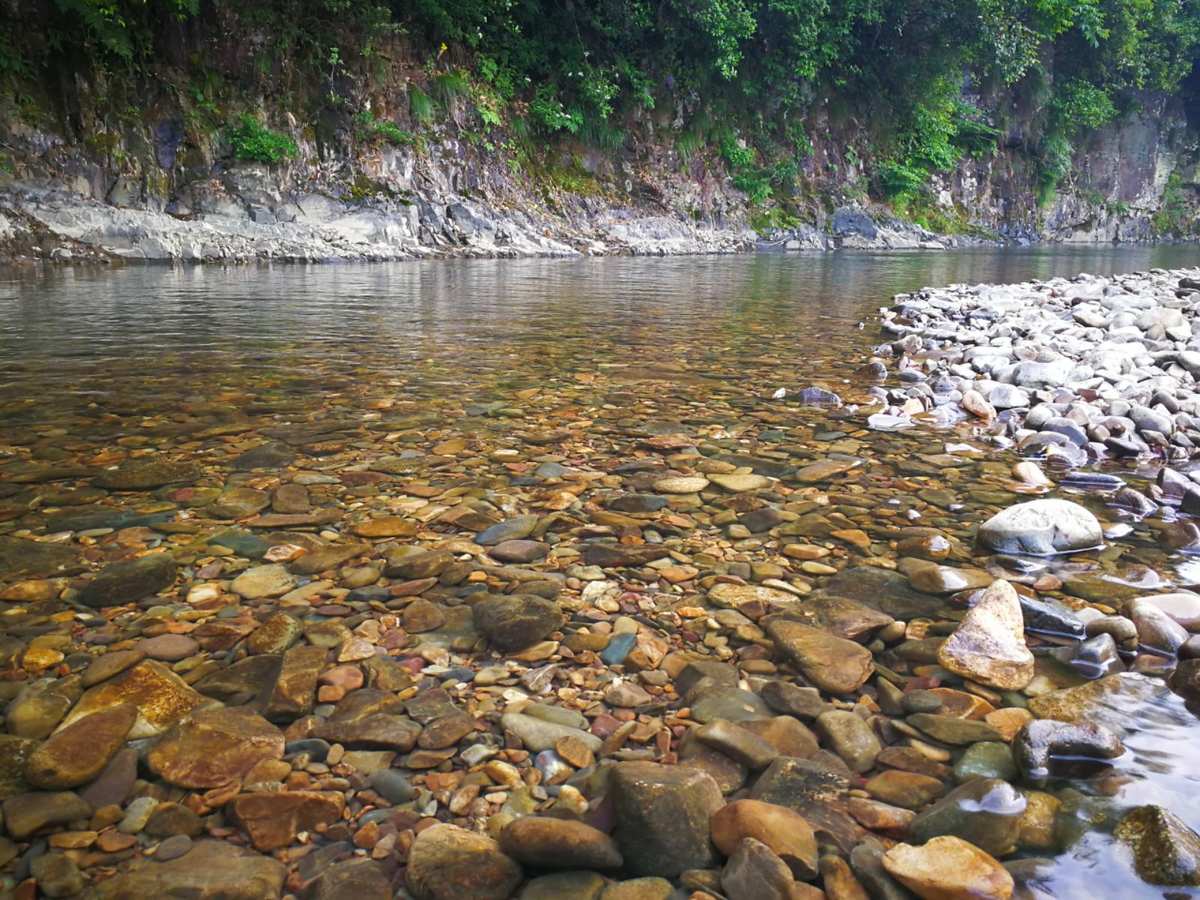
{"points": [[313, 227]]}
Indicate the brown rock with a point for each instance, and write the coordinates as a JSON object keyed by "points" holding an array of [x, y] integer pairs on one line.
{"points": [[754, 872], [274, 818], [663, 817], [450, 863], [832, 663], [296, 687], [214, 748], [787, 833], [552, 843], [948, 868], [211, 870], [109, 665], [78, 753], [988, 646], [161, 697]]}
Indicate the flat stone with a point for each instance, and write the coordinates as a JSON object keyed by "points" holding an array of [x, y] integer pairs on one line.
{"points": [[884, 590], [538, 734], [275, 635], [19, 557], [831, 663], [324, 558], [514, 529], [211, 870], [28, 814], [146, 476], [681, 484], [212, 748], [161, 697], [79, 752], [739, 744], [130, 581], [948, 868], [381, 731], [732, 704], [169, 647], [739, 483], [733, 596], [824, 470], [238, 502], [114, 784], [519, 551], [385, 527], [516, 621], [271, 580], [953, 730], [273, 819], [40, 706], [907, 789], [296, 688], [110, 664], [786, 832], [754, 872], [850, 737]]}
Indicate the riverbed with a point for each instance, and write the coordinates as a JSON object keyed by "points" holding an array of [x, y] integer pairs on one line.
{"points": [[439, 400]]}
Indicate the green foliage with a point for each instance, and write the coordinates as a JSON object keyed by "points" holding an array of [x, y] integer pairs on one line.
{"points": [[1054, 163], [549, 113], [447, 87], [901, 180], [369, 128], [1178, 215], [420, 105], [591, 69], [251, 141], [1079, 104]]}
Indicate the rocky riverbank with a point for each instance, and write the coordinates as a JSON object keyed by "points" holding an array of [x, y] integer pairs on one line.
{"points": [[1077, 370], [616, 632]]}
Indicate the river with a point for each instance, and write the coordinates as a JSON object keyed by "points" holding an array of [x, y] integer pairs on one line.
{"points": [[474, 375]]}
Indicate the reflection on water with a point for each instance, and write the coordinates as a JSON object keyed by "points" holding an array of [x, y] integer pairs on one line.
{"points": [[91, 359]]}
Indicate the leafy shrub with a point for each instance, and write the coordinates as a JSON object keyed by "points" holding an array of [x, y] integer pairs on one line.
{"points": [[549, 113], [254, 142], [900, 180]]}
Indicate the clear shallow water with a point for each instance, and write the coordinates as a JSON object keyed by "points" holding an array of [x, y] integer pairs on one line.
{"points": [[149, 357]]}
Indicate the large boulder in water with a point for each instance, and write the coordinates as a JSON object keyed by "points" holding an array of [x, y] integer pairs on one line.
{"points": [[1165, 850], [1041, 528]]}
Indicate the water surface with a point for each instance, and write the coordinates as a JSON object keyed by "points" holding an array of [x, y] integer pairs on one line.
{"points": [[94, 363]]}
